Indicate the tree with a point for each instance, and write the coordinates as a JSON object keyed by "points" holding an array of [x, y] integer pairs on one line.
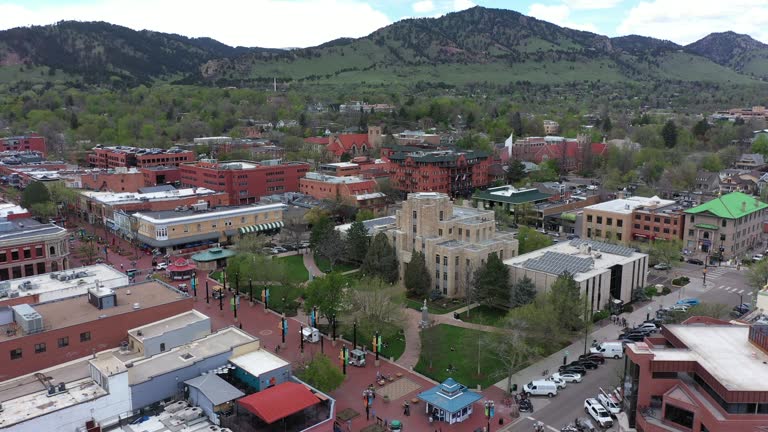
{"points": [[607, 125], [502, 216], [381, 259], [530, 240], [758, 274], [357, 242], [43, 210], [517, 124], [669, 134], [332, 247], [321, 374], [492, 282], [524, 292], [293, 231], [700, 129], [666, 251], [315, 216], [515, 171], [509, 348], [373, 303], [88, 251], [63, 196], [364, 215], [712, 163], [253, 244], [760, 144], [320, 229], [565, 299], [327, 293], [417, 278], [34, 193]]}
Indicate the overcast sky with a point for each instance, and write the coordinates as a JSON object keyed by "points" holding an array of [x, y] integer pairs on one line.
{"points": [[301, 23]]}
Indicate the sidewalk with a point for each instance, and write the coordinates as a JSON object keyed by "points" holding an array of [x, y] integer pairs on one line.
{"points": [[606, 333]]}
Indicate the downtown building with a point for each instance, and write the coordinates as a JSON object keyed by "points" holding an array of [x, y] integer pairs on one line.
{"points": [[24, 143], [624, 220], [128, 157], [29, 248]]}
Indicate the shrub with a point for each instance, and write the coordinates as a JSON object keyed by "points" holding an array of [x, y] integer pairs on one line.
{"points": [[629, 308], [600, 315], [666, 290], [683, 280], [651, 291]]}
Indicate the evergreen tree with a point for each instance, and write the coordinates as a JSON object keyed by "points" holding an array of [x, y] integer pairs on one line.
{"points": [[34, 193], [357, 242], [565, 299], [515, 171], [669, 134], [607, 125], [517, 124], [417, 279], [524, 292], [381, 260], [492, 282], [701, 128], [320, 229]]}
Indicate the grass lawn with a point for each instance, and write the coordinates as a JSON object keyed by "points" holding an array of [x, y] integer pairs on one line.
{"points": [[325, 266], [277, 293], [485, 315], [294, 268], [439, 307], [438, 341], [390, 336], [217, 276]]}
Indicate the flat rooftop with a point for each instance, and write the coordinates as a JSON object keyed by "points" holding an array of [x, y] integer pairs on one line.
{"points": [[68, 283], [334, 179], [168, 324], [14, 230], [568, 256], [170, 216], [214, 344], [77, 310], [130, 197], [724, 351], [627, 205], [258, 362], [7, 209], [167, 422], [28, 384]]}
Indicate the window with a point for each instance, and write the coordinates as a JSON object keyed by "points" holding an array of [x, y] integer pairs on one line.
{"points": [[637, 217], [445, 260], [38, 251], [609, 221], [85, 337], [692, 218], [414, 214], [14, 255], [657, 219], [619, 223], [437, 274], [599, 219], [679, 415], [52, 251], [722, 237], [162, 347], [440, 232], [27, 253], [665, 375], [414, 229], [666, 230], [724, 223], [646, 227], [457, 261], [637, 226], [41, 268], [39, 348], [618, 237], [666, 220], [63, 342], [690, 232], [3, 256], [460, 232], [437, 259], [589, 218], [16, 354], [655, 229], [647, 218], [441, 215]]}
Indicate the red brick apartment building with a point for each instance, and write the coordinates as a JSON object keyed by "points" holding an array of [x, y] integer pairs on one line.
{"points": [[32, 142], [354, 191], [666, 223], [39, 336], [245, 182], [704, 375], [29, 248], [124, 156], [160, 175], [456, 173], [113, 181]]}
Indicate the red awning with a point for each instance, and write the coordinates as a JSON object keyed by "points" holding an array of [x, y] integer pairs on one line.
{"points": [[181, 265], [279, 402]]}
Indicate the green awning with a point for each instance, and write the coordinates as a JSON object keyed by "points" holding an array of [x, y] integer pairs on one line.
{"points": [[250, 229], [706, 226]]}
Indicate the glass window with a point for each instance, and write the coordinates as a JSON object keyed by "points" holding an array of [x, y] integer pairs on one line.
{"points": [[609, 221], [437, 259], [14, 255], [599, 219], [414, 214], [678, 415], [27, 253], [38, 251], [16, 354], [725, 223], [619, 223], [3, 256], [441, 215], [589, 218], [63, 341], [39, 348], [85, 337]]}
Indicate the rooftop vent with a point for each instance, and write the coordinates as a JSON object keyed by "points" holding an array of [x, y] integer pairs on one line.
{"points": [[136, 306]]}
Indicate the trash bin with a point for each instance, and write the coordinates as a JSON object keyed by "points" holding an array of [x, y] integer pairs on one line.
{"points": [[455, 315], [514, 387]]}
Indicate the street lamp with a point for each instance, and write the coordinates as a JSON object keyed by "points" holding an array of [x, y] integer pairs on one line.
{"points": [[489, 413]]}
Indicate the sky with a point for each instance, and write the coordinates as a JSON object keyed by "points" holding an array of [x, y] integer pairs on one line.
{"points": [[302, 23]]}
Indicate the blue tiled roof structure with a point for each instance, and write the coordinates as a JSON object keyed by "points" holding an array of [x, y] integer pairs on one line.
{"points": [[450, 396]]}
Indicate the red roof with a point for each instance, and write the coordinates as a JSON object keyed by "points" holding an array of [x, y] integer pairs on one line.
{"points": [[316, 140], [279, 402], [181, 265], [343, 143]]}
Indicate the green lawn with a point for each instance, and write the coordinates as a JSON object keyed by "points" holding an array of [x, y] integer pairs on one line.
{"points": [[436, 342], [391, 336], [294, 268], [485, 315], [325, 266], [217, 276], [283, 299], [439, 307]]}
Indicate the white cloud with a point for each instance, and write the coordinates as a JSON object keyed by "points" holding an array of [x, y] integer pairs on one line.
{"points": [[265, 23], [559, 14], [460, 5], [423, 6], [686, 21], [591, 4]]}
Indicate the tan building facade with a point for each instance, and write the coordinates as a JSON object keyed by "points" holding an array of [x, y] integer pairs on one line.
{"points": [[179, 229], [611, 221], [455, 240]]}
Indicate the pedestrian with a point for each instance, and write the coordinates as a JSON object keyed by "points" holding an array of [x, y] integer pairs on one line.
{"points": [[349, 425], [373, 412], [121, 266], [367, 412]]}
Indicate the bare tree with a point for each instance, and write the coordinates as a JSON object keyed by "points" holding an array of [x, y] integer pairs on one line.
{"points": [[469, 284], [293, 231], [332, 247], [509, 348]]}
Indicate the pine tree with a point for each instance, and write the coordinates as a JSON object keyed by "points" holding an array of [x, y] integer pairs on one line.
{"points": [[515, 171], [565, 299], [524, 292], [517, 124], [357, 242], [492, 282], [381, 260], [417, 279], [669, 134]]}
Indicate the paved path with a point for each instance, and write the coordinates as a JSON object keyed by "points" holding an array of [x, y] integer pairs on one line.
{"points": [[309, 263]]}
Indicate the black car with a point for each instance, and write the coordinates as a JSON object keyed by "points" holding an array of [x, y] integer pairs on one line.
{"points": [[633, 336], [695, 261], [573, 369], [742, 308], [588, 364], [597, 358]]}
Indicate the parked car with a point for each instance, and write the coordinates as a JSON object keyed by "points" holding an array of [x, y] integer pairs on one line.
{"points": [[613, 349], [280, 249], [541, 388], [633, 336], [757, 257], [588, 364], [573, 369], [598, 412], [662, 266], [655, 321], [688, 302], [559, 382], [647, 326], [161, 266], [567, 377], [742, 308], [679, 308], [695, 261], [571, 236], [609, 403], [597, 358]]}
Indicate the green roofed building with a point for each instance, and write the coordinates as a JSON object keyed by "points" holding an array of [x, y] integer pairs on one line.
{"points": [[725, 227], [514, 200]]}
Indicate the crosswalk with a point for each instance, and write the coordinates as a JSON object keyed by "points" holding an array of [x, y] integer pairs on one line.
{"points": [[731, 290], [716, 272]]}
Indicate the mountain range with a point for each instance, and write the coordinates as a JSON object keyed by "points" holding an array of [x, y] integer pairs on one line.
{"points": [[473, 46]]}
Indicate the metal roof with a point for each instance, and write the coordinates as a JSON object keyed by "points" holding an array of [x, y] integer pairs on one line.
{"points": [[215, 389], [605, 247], [559, 263]]}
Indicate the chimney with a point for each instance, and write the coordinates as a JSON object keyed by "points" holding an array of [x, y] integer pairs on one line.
{"points": [[743, 206]]}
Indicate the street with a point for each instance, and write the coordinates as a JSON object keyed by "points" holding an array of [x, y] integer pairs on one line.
{"points": [[569, 402]]}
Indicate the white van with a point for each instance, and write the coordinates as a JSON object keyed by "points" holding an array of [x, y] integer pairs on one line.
{"points": [[541, 388], [609, 349]]}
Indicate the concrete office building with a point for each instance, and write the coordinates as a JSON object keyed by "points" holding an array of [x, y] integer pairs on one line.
{"points": [[612, 220], [603, 271], [455, 240]]}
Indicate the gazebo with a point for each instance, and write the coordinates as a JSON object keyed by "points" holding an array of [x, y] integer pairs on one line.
{"points": [[212, 259], [450, 401], [181, 269]]}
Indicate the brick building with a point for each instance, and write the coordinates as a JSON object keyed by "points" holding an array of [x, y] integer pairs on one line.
{"points": [[32, 142], [124, 156], [245, 182], [352, 144], [455, 240], [456, 173], [569, 152], [29, 248], [702, 375], [119, 180], [161, 175], [651, 222], [615, 220], [353, 191], [44, 335]]}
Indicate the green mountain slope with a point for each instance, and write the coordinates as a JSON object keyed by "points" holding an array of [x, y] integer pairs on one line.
{"points": [[737, 51]]}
